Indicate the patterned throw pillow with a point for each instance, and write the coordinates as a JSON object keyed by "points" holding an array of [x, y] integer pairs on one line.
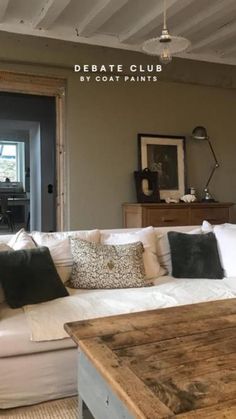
{"points": [[107, 266]]}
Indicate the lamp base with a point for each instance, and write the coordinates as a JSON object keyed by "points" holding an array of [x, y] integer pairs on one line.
{"points": [[207, 196], [208, 200]]}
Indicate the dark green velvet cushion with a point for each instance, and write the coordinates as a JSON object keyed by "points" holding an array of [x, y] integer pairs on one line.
{"points": [[195, 256], [29, 277]]}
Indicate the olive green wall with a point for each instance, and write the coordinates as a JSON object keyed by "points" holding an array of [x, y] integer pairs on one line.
{"points": [[103, 120]]}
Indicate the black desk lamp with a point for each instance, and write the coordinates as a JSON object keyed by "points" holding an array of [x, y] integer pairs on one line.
{"points": [[200, 133]]}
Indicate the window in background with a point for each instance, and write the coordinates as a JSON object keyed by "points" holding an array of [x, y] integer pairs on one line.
{"points": [[12, 161]]}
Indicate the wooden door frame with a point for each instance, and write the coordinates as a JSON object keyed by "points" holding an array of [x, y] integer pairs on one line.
{"points": [[15, 82]]}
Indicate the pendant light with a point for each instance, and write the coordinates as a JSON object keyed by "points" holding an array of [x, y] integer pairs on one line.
{"points": [[166, 45]]}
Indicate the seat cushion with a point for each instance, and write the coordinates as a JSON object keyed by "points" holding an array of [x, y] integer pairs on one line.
{"points": [[15, 335]]}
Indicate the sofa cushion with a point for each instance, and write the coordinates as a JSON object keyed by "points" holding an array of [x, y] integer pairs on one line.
{"points": [[2, 295], [195, 256], [29, 276], [15, 335], [21, 240], [148, 238], [60, 249], [226, 240], [107, 266], [163, 246], [51, 239], [3, 247]]}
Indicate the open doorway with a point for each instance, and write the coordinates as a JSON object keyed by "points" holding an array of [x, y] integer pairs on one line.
{"points": [[52, 87], [28, 187]]}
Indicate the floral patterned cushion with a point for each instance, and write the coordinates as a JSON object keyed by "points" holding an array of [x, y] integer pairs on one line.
{"points": [[107, 266]]}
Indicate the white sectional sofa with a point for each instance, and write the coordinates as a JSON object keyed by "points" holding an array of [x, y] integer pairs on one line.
{"points": [[39, 370]]}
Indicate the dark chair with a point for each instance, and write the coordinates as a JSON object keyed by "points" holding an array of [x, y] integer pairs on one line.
{"points": [[6, 215]]}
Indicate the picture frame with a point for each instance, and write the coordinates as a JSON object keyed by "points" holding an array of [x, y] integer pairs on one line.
{"points": [[166, 155]]}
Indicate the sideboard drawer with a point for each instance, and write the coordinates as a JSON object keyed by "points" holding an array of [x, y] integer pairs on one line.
{"points": [[180, 214], [213, 215], [166, 217]]}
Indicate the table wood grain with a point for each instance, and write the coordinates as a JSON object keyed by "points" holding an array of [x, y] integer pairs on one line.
{"points": [[166, 363]]}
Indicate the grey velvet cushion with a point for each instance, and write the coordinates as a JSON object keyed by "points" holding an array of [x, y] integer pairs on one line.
{"points": [[3, 248], [107, 266], [195, 256], [29, 276]]}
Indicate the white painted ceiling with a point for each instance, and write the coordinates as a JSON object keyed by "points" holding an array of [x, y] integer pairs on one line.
{"points": [[210, 25]]}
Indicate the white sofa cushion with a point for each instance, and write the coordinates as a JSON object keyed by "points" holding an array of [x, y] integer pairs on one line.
{"points": [[207, 227], [21, 240], [60, 249], [148, 238], [226, 240], [51, 239], [15, 335]]}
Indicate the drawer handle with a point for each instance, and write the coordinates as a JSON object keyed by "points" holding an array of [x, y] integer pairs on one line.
{"points": [[211, 220], [168, 220]]}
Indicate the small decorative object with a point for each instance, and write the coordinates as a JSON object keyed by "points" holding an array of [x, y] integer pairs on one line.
{"points": [[200, 133], [171, 201], [165, 155], [147, 188], [192, 190], [188, 198]]}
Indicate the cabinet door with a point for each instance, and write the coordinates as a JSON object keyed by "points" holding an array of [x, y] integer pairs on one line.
{"points": [[166, 217], [213, 215]]}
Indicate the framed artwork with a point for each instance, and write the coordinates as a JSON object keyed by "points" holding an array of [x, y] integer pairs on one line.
{"points": [[164, 154]]}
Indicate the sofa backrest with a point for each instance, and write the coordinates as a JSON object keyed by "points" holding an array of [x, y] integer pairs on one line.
{"points": [[158, 230], [46, 239], [5, 238], [63, 234]]}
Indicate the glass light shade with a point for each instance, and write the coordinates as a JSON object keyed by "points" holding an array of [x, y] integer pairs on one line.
{"points": [[165, 55], [200, 133], [175, 44]]}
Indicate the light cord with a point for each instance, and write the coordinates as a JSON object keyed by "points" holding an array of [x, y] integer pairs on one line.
{"points": [[164, 15]]}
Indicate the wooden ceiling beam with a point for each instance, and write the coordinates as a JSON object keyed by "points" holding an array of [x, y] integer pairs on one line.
{"points": [[3, 8], [99, 15], [205, 17], [153, 19], [226, 32], [49, 13], [228, 51]]}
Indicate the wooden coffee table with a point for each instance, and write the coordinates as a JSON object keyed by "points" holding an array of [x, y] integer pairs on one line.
{"points": [[178, 362]]}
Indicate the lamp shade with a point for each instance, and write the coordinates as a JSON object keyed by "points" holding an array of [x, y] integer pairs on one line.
{"points": [[200, 133], [175, 44]]}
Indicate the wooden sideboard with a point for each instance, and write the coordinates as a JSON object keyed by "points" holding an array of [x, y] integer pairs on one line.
{"points": [[159, 215]]}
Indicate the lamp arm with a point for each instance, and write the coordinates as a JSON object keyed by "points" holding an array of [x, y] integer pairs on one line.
{"points": [[216, 164], [214, 155], [211, 175]]}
